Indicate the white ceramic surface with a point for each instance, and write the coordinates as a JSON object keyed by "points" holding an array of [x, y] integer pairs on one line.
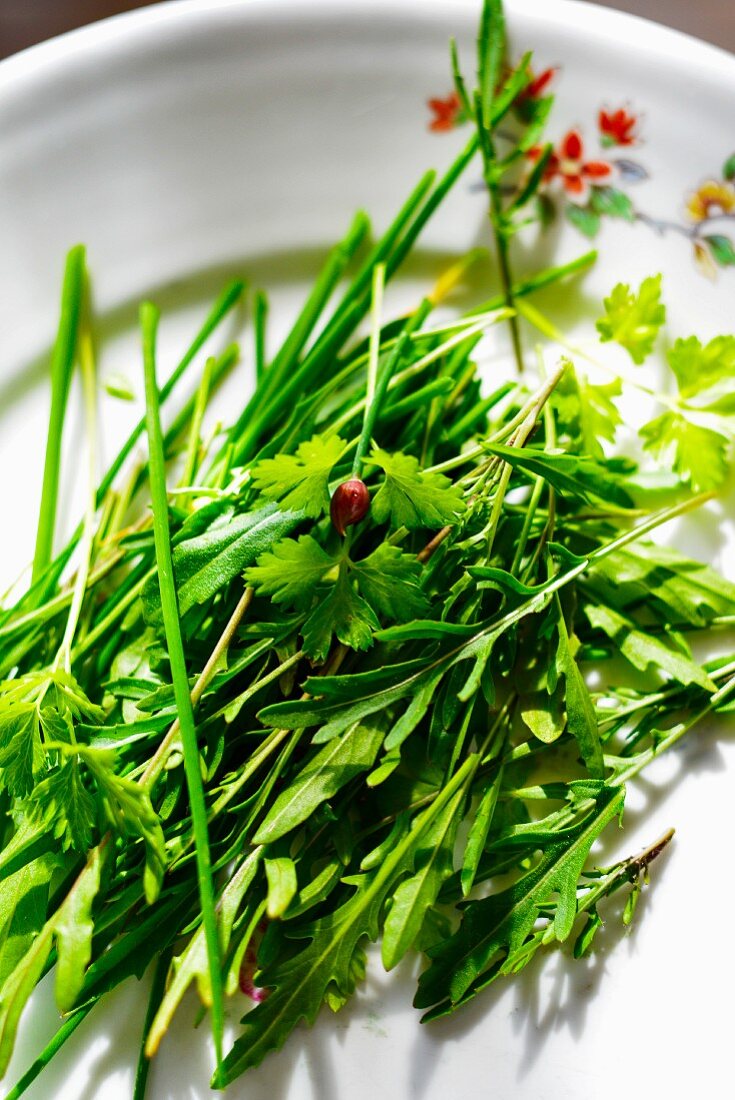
{"points": [[205, 136]]}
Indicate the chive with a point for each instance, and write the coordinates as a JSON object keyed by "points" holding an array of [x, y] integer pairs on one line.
{"points": [[260, 318], [64, 1032], [62, 365], [227, 299], [158, 988], [172, 627]]}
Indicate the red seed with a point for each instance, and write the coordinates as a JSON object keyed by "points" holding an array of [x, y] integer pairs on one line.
{"points": [[350, 503]]}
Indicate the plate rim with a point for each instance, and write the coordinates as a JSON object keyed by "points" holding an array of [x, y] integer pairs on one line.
{"points": [[115, 34]]}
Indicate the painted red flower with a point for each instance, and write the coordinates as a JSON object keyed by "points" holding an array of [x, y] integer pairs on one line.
{"points": [[617, 127], [447, 113], [567, 164], [537, 88]]}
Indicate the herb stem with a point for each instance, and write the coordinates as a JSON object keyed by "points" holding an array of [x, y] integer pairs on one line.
{"points": [[172, 627], [158, 760], [62, 366]]}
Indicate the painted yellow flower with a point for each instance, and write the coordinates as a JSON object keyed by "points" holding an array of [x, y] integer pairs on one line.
{"points": [[712, 198]]}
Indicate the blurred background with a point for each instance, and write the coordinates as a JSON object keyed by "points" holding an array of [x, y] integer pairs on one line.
{"points": [[25, 22]]}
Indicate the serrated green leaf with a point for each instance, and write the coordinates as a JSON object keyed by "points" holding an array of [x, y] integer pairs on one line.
{"points": [[300, 482], [411, 497], [578, 474], [291, 571], [342, 613], [298, 984], [21, 753], [699, 367], [646, 650], [500, 923], [433, 864], [192, 964], [332, 768], [633, 319], [679, 588], [127, 806], [699, 455], [389, 581], [586, 413], [63, 805]]}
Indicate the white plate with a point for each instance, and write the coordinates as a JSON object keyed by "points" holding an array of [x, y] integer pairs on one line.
{"points": [[194, 138]]}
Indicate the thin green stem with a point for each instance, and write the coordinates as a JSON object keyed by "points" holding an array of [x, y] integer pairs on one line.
{"points": [[200, 405], [172, 627], [260, 320], [155, 996], [89, 385], [64, 1032], [62, 366]]}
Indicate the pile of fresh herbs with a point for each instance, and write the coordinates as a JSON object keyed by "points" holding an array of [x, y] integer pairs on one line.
{"points": [[323, 679]]}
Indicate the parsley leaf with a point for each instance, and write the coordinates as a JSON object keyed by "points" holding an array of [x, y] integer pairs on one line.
{"points": [[411, 497], [388, 579], [586, 413], [291, 571], [698, 454], [21, 752], [633, 320], [697, 367], [301, 481], [342, 613], [63, 805]]}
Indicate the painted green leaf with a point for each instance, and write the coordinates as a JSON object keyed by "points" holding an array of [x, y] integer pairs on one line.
{"points": [[584, 219]]}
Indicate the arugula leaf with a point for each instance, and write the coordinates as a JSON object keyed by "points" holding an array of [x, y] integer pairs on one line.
{"points": [[411, 497], [389, 581], [300, 482], [331, 769], [502, 922], [207, 562], [698, 454], [581, 715], [681, 589], [23, 904], [433, 864], [645, 650], [127, 806], [585, 477], [298, 984], [291, 571], [633, 320], [697, 368], [192, 964], [283, 885], [342, 613], [479, 831]]}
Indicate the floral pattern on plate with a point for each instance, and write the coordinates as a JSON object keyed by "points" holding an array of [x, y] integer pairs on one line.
{"points": [[590, 184]]}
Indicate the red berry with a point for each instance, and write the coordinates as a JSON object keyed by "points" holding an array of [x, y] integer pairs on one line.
{"points": [[350, 502]]}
